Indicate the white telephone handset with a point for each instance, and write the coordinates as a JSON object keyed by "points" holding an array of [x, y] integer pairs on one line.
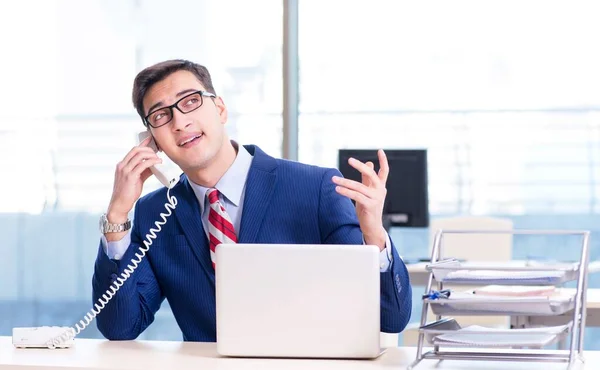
{"points": [[63, 336], [165, 172]]}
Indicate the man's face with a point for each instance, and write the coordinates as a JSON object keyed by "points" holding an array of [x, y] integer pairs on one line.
{"points": [[203, 126]]}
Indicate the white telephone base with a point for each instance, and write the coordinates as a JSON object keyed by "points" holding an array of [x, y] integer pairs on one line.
{"points": [[39, 337]]}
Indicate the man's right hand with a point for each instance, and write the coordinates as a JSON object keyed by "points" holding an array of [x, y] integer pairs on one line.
{"points": [[130, 175]]}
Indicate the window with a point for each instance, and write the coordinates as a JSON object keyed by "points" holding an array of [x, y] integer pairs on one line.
{"points": [[79, 66], [502, 94], [67, 120]]}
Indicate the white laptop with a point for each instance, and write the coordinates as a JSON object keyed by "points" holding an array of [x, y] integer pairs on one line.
{"points": [[311, 301]]}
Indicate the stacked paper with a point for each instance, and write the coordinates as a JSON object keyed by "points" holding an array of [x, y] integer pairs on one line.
{"points": [[478, 336], [503, 277], [515, 290]]}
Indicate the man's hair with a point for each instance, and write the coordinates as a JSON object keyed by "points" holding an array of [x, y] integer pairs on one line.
{"points": [[153, 74]]}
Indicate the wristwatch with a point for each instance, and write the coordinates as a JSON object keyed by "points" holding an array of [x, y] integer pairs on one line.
{"points": [[107, 227]]}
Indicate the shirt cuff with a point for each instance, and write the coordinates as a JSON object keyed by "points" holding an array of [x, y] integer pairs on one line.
{"points": [[385, 256], [116, 249]]}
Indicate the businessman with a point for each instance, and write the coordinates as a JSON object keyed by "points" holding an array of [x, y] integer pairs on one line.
{"points": [[228, 193]]}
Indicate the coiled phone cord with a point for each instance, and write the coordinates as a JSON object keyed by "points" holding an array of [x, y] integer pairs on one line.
{"points": [[112, 290]]}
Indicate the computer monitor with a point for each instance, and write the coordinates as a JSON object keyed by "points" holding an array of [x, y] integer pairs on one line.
{"points": [[407, 200]]}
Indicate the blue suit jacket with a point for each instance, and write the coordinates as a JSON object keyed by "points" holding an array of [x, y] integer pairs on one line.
{"points": [[285, 202]]}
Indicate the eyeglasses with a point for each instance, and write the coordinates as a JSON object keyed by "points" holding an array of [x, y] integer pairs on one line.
{"points": [[187, 104]]}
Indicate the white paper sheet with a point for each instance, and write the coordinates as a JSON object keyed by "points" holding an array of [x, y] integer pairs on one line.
{"points": [[489, 337]]}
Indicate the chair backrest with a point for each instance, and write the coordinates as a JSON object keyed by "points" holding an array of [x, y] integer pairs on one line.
{"points": [[470, 247], [474, 247]]}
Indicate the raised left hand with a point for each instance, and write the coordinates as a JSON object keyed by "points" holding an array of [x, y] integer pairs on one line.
{"points": [[369, 197]]}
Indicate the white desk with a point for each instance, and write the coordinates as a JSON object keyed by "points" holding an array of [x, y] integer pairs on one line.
{"points": [[147, 355]]}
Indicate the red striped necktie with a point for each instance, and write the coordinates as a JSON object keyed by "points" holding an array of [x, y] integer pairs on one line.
{"points": [[220, 227]]}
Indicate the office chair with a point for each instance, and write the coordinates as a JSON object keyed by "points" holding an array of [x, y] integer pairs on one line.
{"points": [[472, 248]]}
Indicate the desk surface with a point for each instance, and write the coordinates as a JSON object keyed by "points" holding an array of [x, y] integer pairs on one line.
{"points": [[101, 354], [593, 297]]}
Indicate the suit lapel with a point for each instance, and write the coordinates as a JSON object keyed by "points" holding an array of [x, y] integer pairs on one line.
{"points": [[260, 186], [188, 215]]}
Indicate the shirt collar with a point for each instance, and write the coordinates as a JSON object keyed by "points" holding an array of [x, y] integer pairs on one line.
{"points": [[231, 185]]}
